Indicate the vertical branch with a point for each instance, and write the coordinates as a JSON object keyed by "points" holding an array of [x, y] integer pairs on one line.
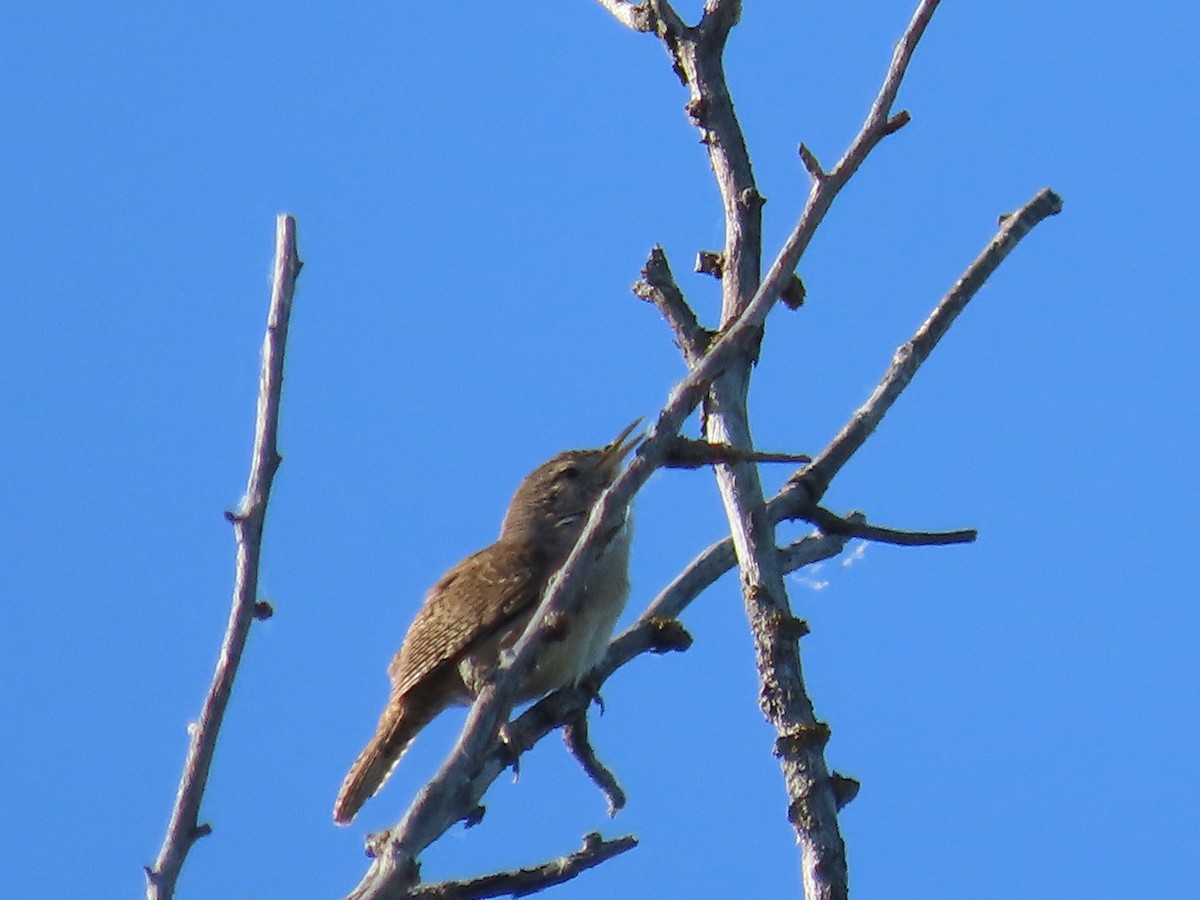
{"points": [[800, 737], [711, 108], [783, 697], [184, 828]]}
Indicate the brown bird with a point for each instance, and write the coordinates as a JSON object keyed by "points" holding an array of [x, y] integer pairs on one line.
{"points": [[480, 607]]}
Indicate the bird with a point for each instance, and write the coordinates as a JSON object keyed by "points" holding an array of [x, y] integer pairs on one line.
{"points": [[480, 607]]}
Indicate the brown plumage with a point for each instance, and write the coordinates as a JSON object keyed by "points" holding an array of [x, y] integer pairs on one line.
{"points": [[481, 606]]}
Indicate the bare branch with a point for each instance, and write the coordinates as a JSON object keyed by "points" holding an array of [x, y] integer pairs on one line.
{"points": [[657, 630], [724, 369], [657, 285], [824, 190], [686, 453], [811, 164], [909, 357], [575, 735], [831, 523], [594, 851], [783, 696], [184, 828]]}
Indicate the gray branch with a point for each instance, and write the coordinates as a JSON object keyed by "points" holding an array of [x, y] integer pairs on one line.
{"points": [[657, 285], [594, 851], [720, 374], [831, 523], [909, 357], [686, 453], [697, 55], [185, 828], [575, 735]]}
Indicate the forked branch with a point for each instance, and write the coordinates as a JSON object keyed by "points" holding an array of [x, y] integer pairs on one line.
{"points": [[721, 367]]}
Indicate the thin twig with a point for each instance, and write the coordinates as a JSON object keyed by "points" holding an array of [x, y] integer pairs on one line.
{"points": [[811, 163], [657, 285], [831, 523], [657, 630], [575, 736], [687, 453], [522, 882], [184, 828]]}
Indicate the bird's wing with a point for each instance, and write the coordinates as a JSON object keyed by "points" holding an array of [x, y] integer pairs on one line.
{"points": [[485, 597]]}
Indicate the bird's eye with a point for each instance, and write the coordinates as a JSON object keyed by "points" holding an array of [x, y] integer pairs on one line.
{"points": [[570, 473]]}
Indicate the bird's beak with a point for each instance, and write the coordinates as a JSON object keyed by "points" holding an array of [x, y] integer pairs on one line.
{"points": [[615, 450]]}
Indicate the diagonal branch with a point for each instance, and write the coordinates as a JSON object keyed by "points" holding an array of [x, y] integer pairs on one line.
{"points": [[551, 712], [435, 807], [657, 285], [594, 851], [455, 790], [657, 630], [909, 357], [184, 829]]}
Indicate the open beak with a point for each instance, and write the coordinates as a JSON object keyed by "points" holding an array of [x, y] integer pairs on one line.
{"points": [[616, 449]]}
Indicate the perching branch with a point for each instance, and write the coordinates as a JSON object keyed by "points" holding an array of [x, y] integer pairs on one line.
{"points": [[656, 631], [477, 758], [435, 808], [184, 828]]}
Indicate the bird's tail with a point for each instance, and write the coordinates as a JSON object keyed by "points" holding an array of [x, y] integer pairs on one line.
{"points": [[397, 727]]}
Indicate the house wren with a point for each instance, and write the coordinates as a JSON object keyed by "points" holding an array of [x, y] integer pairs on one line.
{"points": [[482, 605]]}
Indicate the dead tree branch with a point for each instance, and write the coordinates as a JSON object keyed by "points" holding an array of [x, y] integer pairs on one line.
{"points": [[718, 375], [522, 882], [686, 453], [697, 56], [831, 523], [657, 285], [185, 828], [908, 358], [575, 735]]}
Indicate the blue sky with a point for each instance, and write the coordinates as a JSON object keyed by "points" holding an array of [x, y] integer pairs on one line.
{"points": [[476, 189]]}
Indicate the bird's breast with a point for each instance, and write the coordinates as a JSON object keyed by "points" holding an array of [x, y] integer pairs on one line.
{"points": [[564, 659]]}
